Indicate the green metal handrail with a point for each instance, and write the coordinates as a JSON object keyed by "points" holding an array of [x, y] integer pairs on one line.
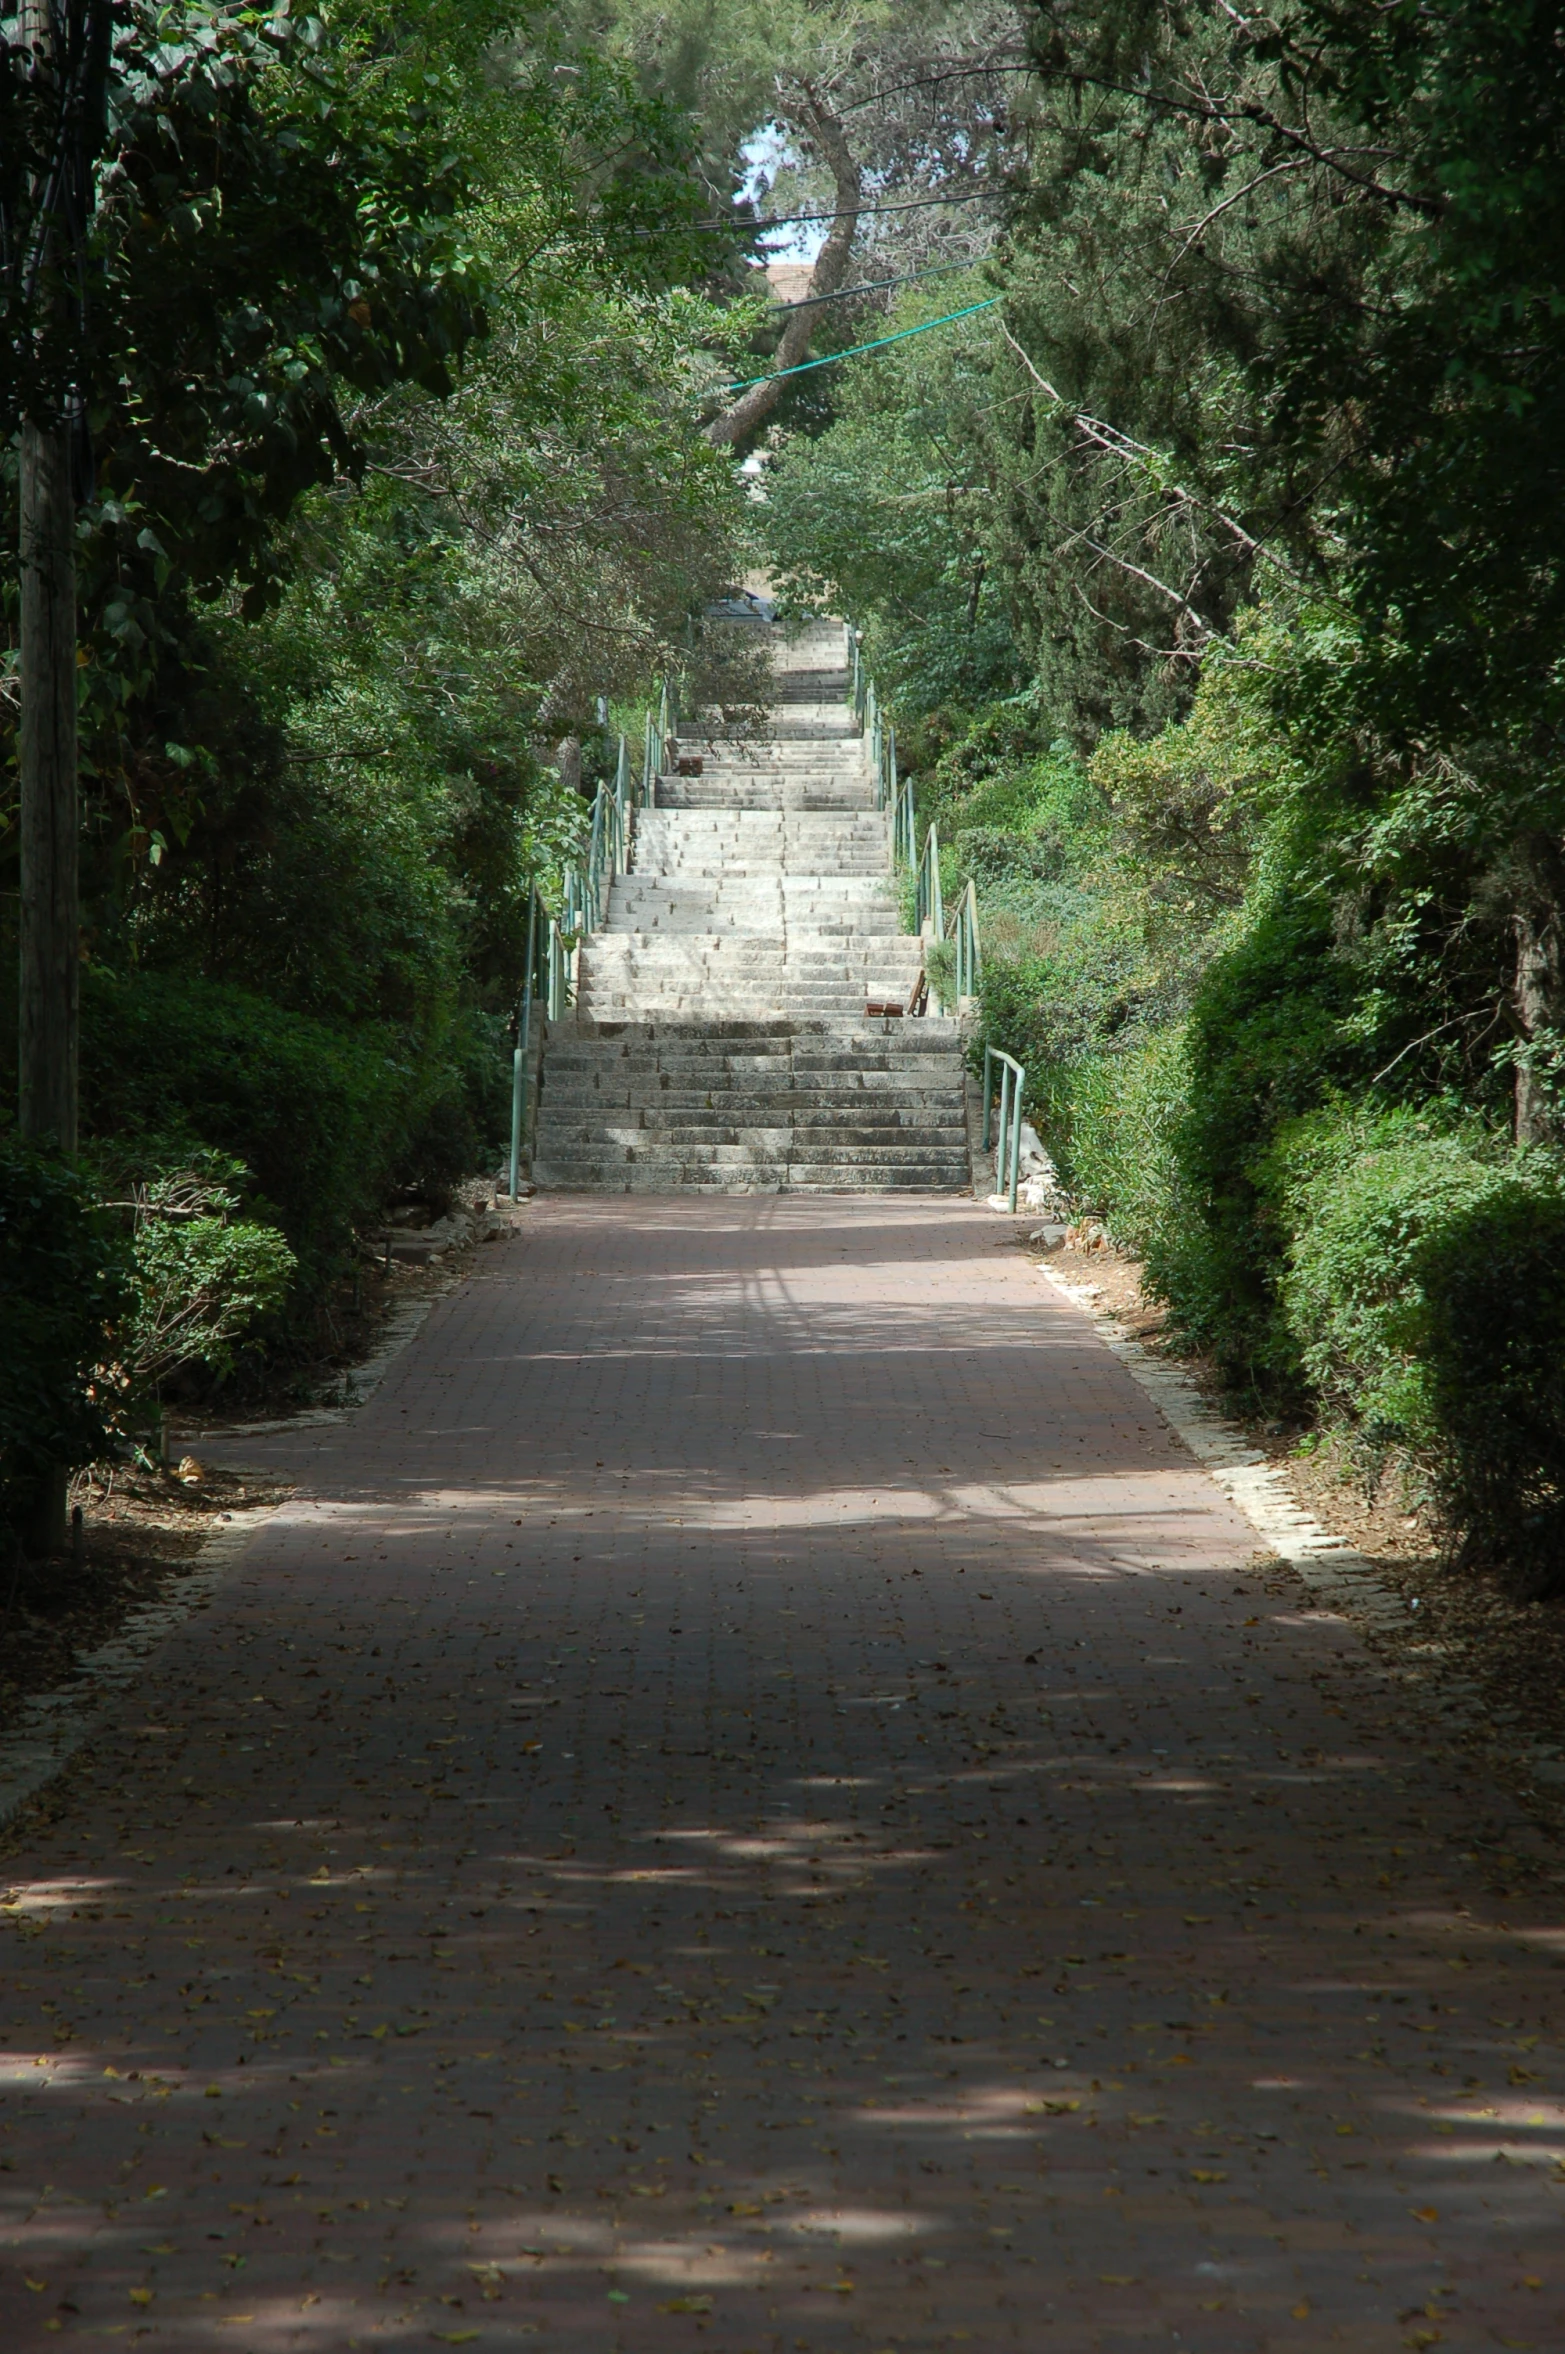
{"points": [[929, 902], [962, 929], [1013, 1078], [662, 729], [524, 1031], [561, 953], [585, 883], [874, 726], [904, 835]]}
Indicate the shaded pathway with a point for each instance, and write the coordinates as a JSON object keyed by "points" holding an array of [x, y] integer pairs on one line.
{"points": [[758, 1801]]}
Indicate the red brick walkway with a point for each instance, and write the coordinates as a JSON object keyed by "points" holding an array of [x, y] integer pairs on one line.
{"points": [[754, 1803]]}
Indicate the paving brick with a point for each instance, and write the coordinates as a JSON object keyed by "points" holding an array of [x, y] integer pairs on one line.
{"points": [[756, 1800]]}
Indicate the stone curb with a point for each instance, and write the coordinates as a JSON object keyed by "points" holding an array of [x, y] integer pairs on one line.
{"points": [[1339, 1576], [1328, 1565], [54, 1725]]}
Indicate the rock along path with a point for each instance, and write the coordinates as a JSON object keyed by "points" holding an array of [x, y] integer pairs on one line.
{"points": [[757, 1801]]}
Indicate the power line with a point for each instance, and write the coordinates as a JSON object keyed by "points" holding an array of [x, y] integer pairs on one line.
{"points": [[963, 73], [865, 212], [808, 302], [853, 351]]}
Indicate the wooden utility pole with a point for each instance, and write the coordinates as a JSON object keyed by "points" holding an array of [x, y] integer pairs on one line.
{"points": [[49, 992], [50, 919], [49, 985]]}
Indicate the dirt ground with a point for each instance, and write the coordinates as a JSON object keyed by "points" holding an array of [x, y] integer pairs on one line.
{"points": [[1463, 1628], [143, 1532]]}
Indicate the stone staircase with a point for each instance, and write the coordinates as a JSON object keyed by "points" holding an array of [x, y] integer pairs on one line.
{"points": [[720, 1040]]}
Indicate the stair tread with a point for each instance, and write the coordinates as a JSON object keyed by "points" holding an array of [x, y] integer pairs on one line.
{"points": [[720, 1041]]}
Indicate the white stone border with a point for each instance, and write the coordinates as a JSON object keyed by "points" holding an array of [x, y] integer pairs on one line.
{"points": [[1329, 1566], [402, 1322], [52, 1726], [1340, 1578]]}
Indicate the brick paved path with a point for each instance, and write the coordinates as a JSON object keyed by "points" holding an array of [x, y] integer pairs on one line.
{"points": [[754, 1803]]}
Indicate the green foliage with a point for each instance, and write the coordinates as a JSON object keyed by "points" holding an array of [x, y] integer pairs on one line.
{"points": [[872, 518], [64, 1283], [1112, 1121], [324, 1120], [394, 389], [201, 1278], [1425, 1294], [1267, 1037], [275, 227]]}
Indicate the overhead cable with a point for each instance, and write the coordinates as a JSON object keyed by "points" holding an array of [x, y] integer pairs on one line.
{"points": [[854, 350]]}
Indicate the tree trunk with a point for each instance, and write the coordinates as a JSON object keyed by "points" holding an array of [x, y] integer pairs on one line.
{"points": [[567, 759], [50, 918], [1539, 925], [831, 267], [48, 991]]}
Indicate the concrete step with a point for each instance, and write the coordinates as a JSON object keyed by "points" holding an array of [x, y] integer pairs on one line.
{"points": [[765, 792], [720, 1042]]}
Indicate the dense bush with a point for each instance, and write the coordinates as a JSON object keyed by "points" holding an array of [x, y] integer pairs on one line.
{"points": [[323, 1121], [63, 1283], [201, 1277], [1425, 1294], [1268, 1035], [1111, 1121]]}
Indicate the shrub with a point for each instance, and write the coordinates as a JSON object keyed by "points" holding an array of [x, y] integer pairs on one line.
{"points": [[1268, 1036], [63, 1283], [1494, 1279], [201, 1278], [322, 1120], [1111, 1122], [1425, 1292]]}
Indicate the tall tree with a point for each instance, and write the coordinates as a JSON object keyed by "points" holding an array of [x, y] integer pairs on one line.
{"points": [[57, 87]]}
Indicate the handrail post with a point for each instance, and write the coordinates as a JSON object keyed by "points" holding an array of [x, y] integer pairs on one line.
{"points": [[988, 1094], [1016, 1137], [930, 901], [524, 1026]]}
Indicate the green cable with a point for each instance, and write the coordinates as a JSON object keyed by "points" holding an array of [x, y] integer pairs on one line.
{"points": [[854, 350]]}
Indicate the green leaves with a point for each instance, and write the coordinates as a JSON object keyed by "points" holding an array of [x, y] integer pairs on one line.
{"points": [[63, 1282]]}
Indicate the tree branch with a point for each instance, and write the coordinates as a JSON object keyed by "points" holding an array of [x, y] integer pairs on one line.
{"points": [[831, 268]]}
